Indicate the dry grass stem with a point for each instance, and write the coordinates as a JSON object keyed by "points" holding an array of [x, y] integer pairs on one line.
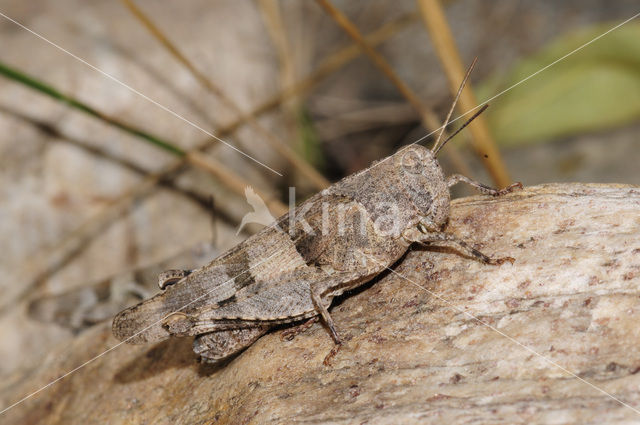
{"points": [[445, 46], [428, 117], [233, 181], [227, 176], [327, 66], [282, 148], [274, 23]]}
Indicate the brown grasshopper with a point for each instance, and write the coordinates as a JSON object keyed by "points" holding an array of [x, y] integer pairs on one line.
{"points": [[343, 237]]}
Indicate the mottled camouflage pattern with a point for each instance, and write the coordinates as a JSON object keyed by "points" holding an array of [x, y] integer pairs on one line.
{"points": [[340, 239]]}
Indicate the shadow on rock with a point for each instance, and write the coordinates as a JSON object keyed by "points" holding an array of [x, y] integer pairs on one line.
{"points": [[169, 354]]}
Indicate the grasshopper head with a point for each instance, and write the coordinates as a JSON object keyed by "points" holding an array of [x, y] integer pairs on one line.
{"points": [[424, 182]]}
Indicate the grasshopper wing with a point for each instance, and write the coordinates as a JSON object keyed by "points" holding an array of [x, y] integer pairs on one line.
{"points": [[261, 258]]}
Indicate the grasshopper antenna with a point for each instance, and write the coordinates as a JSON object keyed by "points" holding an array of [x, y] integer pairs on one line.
{"points": [[473, 117], [437, 145]]}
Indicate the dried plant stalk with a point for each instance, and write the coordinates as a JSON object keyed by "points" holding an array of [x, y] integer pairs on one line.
{"points": [[326, 67], [429, 119], [445, 46], [234, 181], [277, 32], [282, 148]]}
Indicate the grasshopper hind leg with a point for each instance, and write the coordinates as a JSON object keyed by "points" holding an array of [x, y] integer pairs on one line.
{"points": [[291, 333], [324, 312], [324, 290], [216, 346]]}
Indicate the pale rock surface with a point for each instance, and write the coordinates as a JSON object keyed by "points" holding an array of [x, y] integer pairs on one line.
{"points": [[441, 339]]}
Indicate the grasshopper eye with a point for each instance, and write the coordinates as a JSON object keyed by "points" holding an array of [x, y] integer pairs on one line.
{"points": [[411, 162]]}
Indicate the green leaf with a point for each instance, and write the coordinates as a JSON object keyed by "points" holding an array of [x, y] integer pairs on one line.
{"points": [[595, 88]]}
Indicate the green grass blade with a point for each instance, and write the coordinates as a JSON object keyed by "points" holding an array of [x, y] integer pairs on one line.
{"points": [[46, 89]]}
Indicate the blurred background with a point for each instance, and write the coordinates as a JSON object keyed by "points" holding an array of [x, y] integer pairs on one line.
{"points": [[101, 188]]}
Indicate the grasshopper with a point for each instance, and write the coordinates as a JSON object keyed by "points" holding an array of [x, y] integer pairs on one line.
{"points": [[291, 271]]}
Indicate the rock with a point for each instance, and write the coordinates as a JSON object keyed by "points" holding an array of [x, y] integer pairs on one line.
{"points": [[440, 339]]}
